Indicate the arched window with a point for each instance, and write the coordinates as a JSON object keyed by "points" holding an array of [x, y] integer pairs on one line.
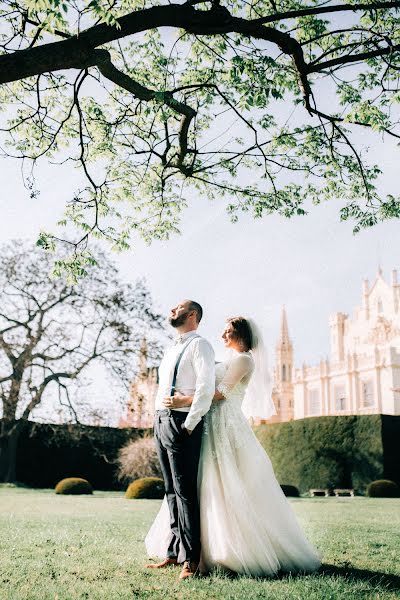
{"points": [[380, 306], [283, 372]]}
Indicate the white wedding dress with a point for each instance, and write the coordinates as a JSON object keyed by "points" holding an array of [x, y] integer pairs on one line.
{"points": [[247, 524]]}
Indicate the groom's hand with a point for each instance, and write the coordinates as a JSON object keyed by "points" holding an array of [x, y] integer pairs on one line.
{"points": [[185, 430]]}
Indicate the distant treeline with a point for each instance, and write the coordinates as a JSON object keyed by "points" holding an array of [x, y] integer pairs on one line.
{"points": [[334, 452]]}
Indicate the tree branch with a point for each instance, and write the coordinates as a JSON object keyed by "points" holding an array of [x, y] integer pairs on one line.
{"points": [[142, 93], [319, 10], [352, 58]]}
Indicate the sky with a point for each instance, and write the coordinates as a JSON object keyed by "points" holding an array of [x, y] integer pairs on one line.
{"points": [[314, 265]]}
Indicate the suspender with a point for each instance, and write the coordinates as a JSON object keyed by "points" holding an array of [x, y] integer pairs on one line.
{"points": [[178, 362]]}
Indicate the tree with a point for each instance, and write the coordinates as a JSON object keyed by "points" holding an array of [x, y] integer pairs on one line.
{"points": [[257, 102], [50, 333]]}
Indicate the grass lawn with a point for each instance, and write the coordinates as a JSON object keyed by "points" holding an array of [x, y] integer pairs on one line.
{"points": [[65, 547]]}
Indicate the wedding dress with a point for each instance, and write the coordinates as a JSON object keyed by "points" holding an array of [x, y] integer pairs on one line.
{"points": [[247, 524]]}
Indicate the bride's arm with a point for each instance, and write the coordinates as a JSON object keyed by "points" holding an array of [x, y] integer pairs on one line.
{"points": [[238, 368], [177, 401]]}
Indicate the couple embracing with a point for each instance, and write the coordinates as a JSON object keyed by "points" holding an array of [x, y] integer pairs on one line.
{"points": [[223, 506]]}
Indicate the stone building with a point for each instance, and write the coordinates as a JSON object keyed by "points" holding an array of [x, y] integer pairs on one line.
{"points": [[362, 375], [142, 394]]}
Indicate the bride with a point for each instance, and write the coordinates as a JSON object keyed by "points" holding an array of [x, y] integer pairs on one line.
{"points": [[247, 525]]}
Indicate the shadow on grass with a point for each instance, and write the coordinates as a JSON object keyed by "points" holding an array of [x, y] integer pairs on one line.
{"points": [[386, 581], [380, 581]]}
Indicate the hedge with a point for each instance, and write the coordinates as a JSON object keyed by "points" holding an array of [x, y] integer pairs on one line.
{"points": [[315, 452], [333, 452], [47, 453]]}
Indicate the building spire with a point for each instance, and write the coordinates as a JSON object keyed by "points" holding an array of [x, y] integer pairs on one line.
{"points": [[283, 373], [284, 338]]}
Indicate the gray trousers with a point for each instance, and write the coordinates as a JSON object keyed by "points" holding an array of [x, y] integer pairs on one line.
{"points": [[179, 454]]}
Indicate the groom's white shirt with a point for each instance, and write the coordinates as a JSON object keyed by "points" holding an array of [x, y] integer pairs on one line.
{"points": [[196, 376]]}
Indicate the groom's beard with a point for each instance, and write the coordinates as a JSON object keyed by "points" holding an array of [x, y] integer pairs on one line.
{"points": [[179, 321]]}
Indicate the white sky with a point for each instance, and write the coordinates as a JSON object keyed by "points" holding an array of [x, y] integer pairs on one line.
{"points": [[313, 264]]}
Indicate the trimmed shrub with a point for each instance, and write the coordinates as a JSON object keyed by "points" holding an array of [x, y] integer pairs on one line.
{"points": [[151, 488], [383, 488], [138, 459], [73, 485], [290, 490]]}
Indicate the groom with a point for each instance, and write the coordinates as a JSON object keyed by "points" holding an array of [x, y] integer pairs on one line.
{"points": [[187, 367]]}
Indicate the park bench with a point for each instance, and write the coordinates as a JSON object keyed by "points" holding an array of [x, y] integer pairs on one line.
{"points": [[319, 492], [343, 492]]}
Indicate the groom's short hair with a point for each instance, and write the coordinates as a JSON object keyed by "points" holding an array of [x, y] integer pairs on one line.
{"points": [[192, 305]]}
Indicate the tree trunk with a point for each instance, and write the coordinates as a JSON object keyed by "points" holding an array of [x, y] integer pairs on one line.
{"points": [[9, 437]]}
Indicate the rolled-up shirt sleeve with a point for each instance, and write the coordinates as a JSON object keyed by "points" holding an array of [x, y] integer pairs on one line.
{"points": [[204, 367]]}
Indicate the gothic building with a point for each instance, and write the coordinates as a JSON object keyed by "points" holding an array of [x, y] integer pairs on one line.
{"points": [[362, 374]]}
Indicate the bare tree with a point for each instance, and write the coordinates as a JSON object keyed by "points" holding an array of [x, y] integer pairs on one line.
{"points": [[151, 116], [50, 333]]}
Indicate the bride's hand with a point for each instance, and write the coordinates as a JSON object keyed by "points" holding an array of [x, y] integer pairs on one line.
{"points": [[177, 401], [218, 397]]}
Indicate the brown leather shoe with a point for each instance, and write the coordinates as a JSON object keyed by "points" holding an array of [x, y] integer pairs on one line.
{"points": [[189, 569], [167, 562]]}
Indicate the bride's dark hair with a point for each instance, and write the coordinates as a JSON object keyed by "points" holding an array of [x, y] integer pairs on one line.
{"points": [[241, 331]]}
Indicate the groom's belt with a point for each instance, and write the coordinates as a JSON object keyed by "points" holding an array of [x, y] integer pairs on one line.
{"points": [[169, 411]]}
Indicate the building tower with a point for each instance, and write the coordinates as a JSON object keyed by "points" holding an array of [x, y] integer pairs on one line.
{"points": [[142, 393], [337, 326], [282, 393]]}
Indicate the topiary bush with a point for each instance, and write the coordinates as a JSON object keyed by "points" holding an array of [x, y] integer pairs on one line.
{"points": [[151, 488], [73, 485], [138, 459], [290, 490], [383, 488]]}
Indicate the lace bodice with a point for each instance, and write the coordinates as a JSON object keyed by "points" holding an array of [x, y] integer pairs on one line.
{"points": [[225, 417], [233, 376]]}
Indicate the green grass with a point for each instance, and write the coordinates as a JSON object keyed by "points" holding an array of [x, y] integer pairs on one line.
{"points": [[65, 547]]}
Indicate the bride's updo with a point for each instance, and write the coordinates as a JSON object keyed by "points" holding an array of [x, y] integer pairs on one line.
{"points": [[241, 332]]}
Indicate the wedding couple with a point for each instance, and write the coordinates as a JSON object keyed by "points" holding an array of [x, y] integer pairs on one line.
{"points": [[223, 506]]}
